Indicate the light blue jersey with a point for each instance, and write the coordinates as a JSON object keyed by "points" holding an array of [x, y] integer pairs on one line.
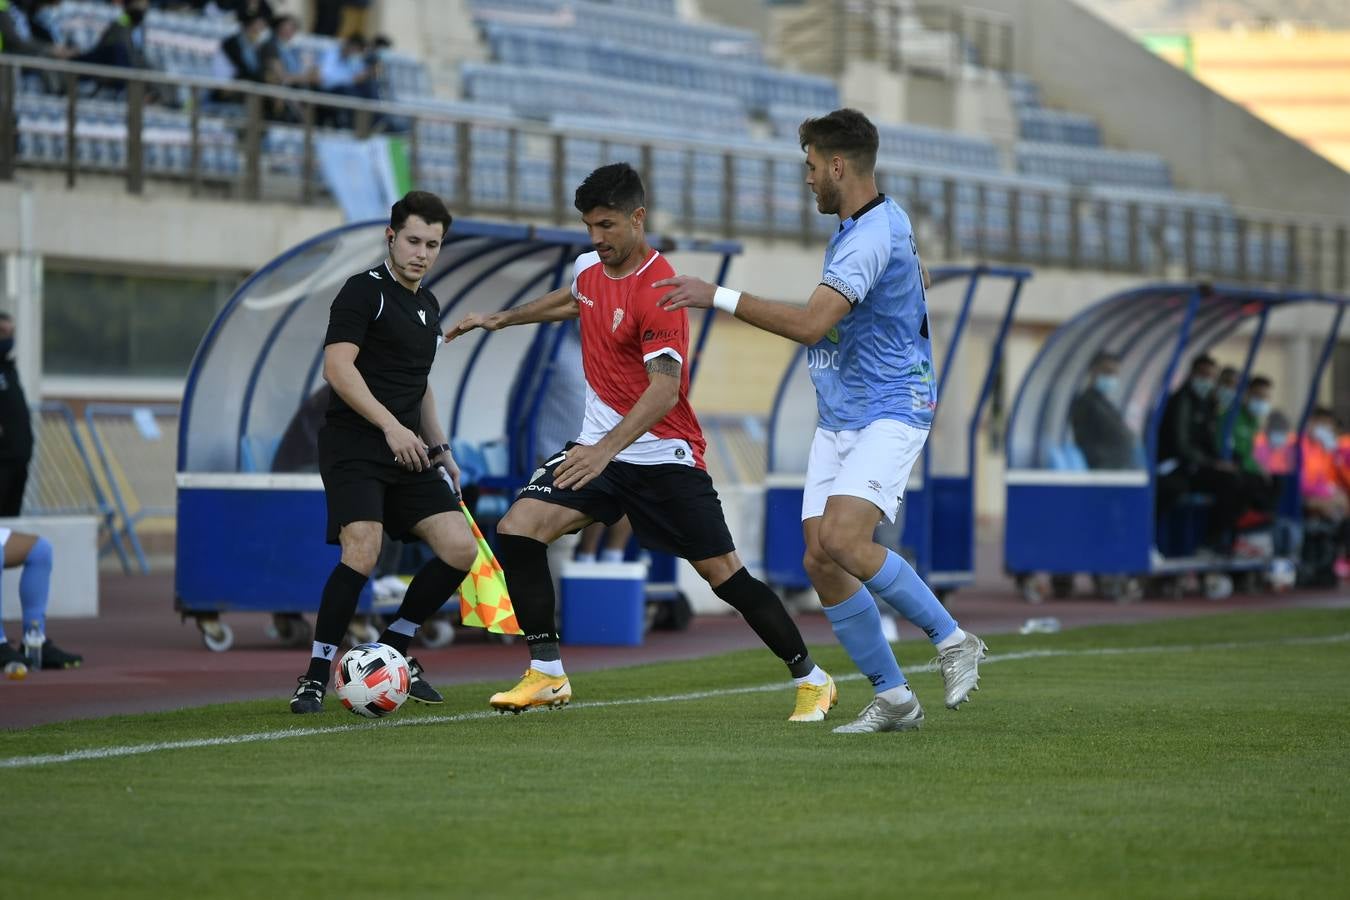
{"points": [[878, 362]]}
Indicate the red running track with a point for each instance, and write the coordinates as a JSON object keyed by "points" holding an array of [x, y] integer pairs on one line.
{"points": [[140, 658]]}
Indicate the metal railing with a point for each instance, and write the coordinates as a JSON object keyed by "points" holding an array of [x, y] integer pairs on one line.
{"points": [[498, 165]]}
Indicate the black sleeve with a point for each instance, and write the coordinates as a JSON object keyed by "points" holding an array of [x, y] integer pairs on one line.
{"points": [[436, 304], [351, 314]]}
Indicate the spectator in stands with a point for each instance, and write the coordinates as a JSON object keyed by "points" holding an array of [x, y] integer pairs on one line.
{"points": [[346, 70], [282, 63], [16, 426], [1188, 457], [244, 49], [34, 553], [19, 36], [123, 41], [1099, 429]]}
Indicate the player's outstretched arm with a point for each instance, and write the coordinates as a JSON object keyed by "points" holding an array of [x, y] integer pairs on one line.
{"points": [[803, 324], [339, 370], [555, 306], [663, 391]]}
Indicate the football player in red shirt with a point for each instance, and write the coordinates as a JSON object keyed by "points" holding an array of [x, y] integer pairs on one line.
{"points": [[640, 451]]}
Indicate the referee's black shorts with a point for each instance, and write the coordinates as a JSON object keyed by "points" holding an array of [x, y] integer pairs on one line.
{"points": [[363, 483], [672, 507]]}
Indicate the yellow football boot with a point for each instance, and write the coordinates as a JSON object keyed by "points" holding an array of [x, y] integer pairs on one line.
{"points": [[535, 689]]}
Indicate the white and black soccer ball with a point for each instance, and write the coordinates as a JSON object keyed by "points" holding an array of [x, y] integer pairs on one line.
{"points": [[372, 680]]}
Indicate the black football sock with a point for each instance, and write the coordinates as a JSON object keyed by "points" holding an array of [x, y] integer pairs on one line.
{"points": [[336, 609], [764, 613], [430, 588], [530, 584]]}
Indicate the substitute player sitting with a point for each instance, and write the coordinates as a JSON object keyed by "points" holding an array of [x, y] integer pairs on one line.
{"points": [[871, 362], [640, 451]]}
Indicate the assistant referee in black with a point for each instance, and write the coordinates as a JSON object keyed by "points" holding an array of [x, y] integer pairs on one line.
{"points": [[381, 442]]}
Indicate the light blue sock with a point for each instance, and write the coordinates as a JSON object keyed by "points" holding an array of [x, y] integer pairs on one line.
{"points": [[35, 585], [857, 625], [899, 585]]}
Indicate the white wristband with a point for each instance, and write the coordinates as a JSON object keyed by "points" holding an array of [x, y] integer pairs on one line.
{"points": [[726, 299]]}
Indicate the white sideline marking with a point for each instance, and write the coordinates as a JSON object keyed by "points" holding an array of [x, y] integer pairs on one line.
{"points": [[20, 762]]}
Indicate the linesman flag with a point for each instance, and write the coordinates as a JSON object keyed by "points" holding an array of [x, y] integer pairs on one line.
{"points": [[483, 600]]}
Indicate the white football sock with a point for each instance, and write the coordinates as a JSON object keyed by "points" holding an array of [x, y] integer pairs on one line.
{"points": [[952, 639], [816, 676], [552, 667], [897, 695]]}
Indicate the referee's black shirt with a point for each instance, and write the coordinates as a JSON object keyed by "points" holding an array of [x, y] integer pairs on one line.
{"points": [[398, 333]]}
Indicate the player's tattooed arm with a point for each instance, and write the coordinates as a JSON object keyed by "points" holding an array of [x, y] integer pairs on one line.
{"points": [[584, 463], [664, 365]]}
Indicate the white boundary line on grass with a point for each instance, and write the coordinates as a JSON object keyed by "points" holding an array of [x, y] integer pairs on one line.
{"points": [[22, 762]]}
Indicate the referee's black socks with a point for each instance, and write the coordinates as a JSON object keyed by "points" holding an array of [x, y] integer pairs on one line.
{"points": [[336, 609], [525, 562], [764, 612], [430, 588]]}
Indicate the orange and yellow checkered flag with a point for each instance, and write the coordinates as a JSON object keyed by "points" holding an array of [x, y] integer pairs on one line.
{"points": [[483, 600]]}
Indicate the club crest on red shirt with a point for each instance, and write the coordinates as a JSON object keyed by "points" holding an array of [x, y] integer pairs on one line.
{"points": [[618, 317]]}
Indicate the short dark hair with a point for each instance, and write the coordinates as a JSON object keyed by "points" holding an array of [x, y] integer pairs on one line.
{"points": [[1104, 357], [354, 40], [283, 19], [844, 131], [423, 204], [1322, 412], [1259, 381], [616, 186], [1201, 361]]}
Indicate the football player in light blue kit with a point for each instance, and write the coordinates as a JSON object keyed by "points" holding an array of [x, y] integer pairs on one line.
{"points": [[871, 361]]}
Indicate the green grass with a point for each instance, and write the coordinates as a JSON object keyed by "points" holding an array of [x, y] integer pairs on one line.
{"points": [[1175, 773]]}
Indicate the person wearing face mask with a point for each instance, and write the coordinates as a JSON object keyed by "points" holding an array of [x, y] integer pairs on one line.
{"points": [[1326, 502], [1272, 448], [1259, 487], [1323, 493], [16, 426], [1099, 429], [122, 43], [1189, 460]]}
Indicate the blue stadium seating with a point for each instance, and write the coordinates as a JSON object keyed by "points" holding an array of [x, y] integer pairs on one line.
{"points": [[1092, 165], [757, 87], [539, 93], [632, 28]]}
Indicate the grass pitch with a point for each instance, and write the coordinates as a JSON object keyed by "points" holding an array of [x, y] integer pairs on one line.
{"points": [[1200, 758]]}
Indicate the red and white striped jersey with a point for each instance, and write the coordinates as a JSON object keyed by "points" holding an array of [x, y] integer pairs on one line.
{"points": [[621, 329]]}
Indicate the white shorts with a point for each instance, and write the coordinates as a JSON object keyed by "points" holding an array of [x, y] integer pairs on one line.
{"points": [[873, 464], [4, 536]]}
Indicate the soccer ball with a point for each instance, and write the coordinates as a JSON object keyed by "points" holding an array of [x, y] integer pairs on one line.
{"points": [[372, 680]]}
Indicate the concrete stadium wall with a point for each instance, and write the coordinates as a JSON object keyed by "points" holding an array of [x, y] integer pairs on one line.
{"points": [[1144, 103]]}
